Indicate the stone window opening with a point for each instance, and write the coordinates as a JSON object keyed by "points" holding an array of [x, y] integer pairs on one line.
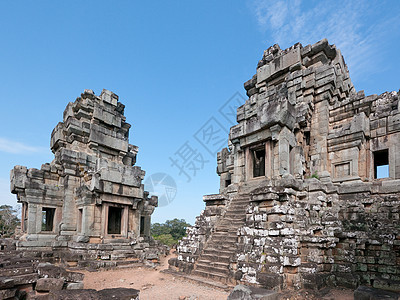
{"points": [[48, 218], [80, 213], [114, 220], [227, 182], [307, 137], [258, 162], [142, 226], [381, 164]]}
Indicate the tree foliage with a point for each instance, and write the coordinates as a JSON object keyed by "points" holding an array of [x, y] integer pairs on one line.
{"points": [[8, 220], [170, 232]]}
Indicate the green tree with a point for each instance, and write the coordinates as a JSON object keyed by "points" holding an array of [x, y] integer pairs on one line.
{"points": [[8, 220], [170, 232], [166, 239]]}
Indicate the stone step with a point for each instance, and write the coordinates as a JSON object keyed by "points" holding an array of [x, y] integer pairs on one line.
{"points": [[223, 240], [234, 221], [211, 269], [227, 238], [227, 227], [201, 280], [238, 205], [216, 264], [236, 212], [217, 252], [218, 246], [212, 275], [209, 257]]}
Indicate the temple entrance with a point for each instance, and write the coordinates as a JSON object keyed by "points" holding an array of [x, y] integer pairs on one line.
{"points": [[48, 218], [114, 220], [258, 162]]}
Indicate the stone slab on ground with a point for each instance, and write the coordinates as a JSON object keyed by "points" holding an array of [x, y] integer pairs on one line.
{"points": [[243, 292], [49, 284], [119, 293], [9, 293], [368, 293], [51, 271]]}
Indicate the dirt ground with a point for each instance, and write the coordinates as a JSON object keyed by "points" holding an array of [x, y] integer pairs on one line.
{"points": [[154, 285]]}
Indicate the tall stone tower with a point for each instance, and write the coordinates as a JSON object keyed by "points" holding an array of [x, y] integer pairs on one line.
{"points": [[310, 184]]}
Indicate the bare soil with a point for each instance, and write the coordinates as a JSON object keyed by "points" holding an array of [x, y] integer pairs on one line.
{"points": [[154, 285]]}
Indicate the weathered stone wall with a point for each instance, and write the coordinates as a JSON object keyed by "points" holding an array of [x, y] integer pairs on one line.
{"points": [[304, 156]]}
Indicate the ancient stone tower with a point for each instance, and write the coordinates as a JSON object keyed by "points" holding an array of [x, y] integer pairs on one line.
{"points": [[310, 184], [91, 192]]}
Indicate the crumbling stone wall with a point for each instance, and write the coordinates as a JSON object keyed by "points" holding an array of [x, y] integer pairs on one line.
{"points": [[194, 241], [305, 155], [91, 194]]}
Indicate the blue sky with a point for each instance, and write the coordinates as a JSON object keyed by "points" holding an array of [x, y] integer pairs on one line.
{"points": [[175, 65]]}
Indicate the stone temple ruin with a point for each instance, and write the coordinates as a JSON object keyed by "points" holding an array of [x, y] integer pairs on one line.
{"points": [[310, 184], [90, 199]]}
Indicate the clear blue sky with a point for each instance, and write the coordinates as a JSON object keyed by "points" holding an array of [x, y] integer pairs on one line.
{"points": [[173, 64]]}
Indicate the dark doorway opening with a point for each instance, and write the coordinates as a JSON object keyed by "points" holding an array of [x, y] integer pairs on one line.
{"points": [[259, 163], [48, 218], [307, 137], [141, 226], [227, 182], [381, 164], [114, 220]]}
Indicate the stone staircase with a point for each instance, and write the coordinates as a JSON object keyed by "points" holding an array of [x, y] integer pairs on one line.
{"points": [[221, 247]]}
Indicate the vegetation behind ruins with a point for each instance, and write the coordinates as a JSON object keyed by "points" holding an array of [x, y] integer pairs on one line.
{"points": [[170, 232], [8, 220]]}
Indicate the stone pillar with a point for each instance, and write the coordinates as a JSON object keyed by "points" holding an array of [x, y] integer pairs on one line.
{"points": [[319, 132], [269, 164], [69, 208], [31, 226]]}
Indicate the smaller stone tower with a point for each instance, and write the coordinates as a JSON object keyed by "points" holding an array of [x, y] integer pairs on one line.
{"points": [[91, 192]]}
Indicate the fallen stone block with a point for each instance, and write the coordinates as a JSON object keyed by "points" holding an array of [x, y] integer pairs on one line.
{"points": [[9, 293], [6, 282], [74, 285], [33, 295], [51, 271], [243, 292], [25, 279], [74, 295], [49, 284]]}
